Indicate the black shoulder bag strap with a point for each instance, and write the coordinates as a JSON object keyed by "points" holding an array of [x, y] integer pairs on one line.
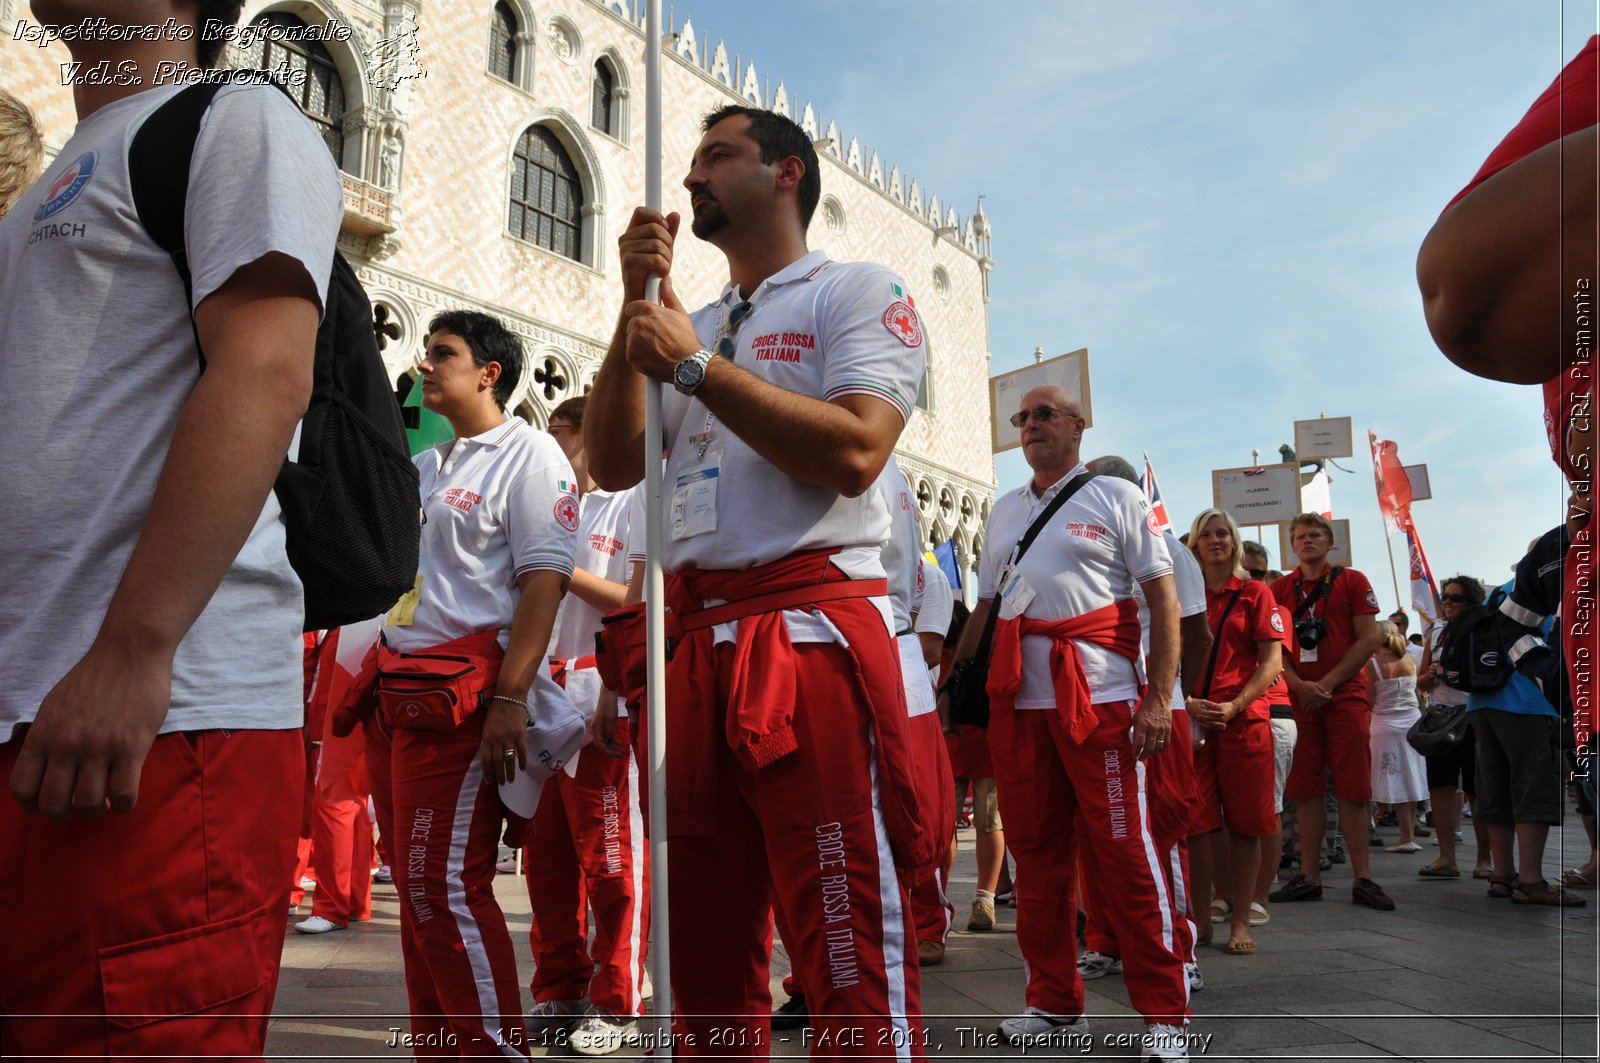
{"points": [[1204, 692], [986, 640], [1324, 585]]}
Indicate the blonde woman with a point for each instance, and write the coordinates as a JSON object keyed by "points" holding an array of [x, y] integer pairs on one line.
{"points": [[1235, 766], [1399, 774]]}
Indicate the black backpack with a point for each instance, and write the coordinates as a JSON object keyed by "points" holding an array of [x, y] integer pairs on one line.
{"points": [[350, 498], [1475, 647]]}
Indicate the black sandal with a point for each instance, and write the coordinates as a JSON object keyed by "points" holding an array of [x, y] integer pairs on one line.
{"points": [[1500, 888]]}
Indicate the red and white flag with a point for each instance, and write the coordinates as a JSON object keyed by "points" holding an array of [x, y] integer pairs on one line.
{"points": [[1424, 592], [1152, 496]]}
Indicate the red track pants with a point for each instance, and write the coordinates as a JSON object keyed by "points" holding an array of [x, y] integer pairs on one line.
{"points": [[806, 831], [1045, 780], [154, 933], [936, 797], [341, 855], [587, 849], [441, 820]]}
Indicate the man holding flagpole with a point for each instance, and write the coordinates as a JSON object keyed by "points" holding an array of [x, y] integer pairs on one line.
{"points": [[789, 776]]}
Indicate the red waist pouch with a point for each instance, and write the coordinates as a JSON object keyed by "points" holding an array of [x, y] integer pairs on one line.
{"points": [[436, 690]]}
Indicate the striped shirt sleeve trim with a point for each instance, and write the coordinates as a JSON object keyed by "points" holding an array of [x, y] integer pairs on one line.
{"points": [[545, 566], [876, 391]]}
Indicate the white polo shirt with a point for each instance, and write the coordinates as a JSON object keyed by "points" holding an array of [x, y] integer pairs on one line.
{"points": [[1098, 543], [1191, 583], [902, 549], [938, 604], [610, 541], [494, 506], [818, 328]]}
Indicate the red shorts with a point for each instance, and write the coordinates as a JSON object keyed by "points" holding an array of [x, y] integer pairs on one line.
{"points": [[1335, 736], [1234, 773]]}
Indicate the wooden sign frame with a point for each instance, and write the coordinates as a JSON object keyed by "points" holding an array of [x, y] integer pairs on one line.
{"points": [[1070, 370]]}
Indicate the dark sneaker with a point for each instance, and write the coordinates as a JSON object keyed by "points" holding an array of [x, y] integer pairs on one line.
{"points": [[1338, 851], [1324, 862], [793, 1015], [1369, 893], [1298, 888]]}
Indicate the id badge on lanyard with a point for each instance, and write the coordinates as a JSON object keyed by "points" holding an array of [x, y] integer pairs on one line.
{"points": [[694, 499]]}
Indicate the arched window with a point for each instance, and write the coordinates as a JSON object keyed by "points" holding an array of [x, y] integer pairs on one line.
{"points": [[321, 93], [546, 194], [605, 99], [503, 42]]}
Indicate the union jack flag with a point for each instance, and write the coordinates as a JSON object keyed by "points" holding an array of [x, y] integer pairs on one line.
{"points": [[1152, 496]]}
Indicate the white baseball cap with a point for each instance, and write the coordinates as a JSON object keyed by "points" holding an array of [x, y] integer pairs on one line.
{"points": [[558, 732]]}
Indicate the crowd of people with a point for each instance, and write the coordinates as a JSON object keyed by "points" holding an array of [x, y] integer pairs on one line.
{"points": [[1161, 722]]}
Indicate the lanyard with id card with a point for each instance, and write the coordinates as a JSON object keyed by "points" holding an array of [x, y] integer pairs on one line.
{"points": [[694, 500]]}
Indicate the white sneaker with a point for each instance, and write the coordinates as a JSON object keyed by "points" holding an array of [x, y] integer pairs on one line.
{"points": [[599, 1033], [1094, 964], [507, 866], [383, 874], [308, 884], [317, 925], [549, 1015], [1165, 1043], [646, 989], [1197, 981], [1036, 1026]]}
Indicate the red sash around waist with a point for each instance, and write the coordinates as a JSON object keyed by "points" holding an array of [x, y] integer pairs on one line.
{"points": [[1115, 627]]}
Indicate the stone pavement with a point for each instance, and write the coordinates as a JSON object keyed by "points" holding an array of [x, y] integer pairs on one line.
{"points": [[1450, 975]]}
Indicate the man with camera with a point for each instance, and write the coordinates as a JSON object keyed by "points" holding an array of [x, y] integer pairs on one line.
{"points": [[1332, 610]]}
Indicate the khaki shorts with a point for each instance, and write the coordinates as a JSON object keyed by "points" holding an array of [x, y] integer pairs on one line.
{"points": [[985, 806]]}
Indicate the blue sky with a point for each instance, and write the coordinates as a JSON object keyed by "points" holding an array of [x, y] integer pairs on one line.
{"points": [[1223, 202]]}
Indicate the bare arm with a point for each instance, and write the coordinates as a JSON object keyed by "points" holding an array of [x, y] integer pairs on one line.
{"points": [[531, 624], [842, 444], [1425, 679], [1214, 715], [1152, 721], [932, 647], [1499, 270], [597, 591], [93, 730], [1195, 638]]}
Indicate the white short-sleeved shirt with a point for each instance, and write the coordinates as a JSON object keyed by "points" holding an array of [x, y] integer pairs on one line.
{"points": [[938, 604], [902, 549], [1191, 586], [610, 543], [1094, 547], [494, 506], [99, 361], [818, 328]]}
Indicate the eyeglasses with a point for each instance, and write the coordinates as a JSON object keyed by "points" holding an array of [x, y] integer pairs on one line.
{"points": [[727, 338], [1256, 573], [1459, 599], [1041, 415]]}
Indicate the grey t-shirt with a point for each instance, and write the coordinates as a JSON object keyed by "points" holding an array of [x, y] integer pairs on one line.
{"points": [[99, 360]]}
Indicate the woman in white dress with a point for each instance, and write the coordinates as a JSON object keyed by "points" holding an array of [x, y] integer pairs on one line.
{"points": [[1399, 774]]}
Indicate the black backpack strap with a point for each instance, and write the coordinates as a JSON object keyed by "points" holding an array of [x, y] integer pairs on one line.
{"points": [[158, 174], [986, 640]]}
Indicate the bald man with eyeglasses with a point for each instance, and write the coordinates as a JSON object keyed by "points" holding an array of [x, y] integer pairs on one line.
{"points": [[1078, 727]]}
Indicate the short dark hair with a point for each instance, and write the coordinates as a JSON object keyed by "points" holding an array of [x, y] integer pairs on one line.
{"points": [[779, 137], [1469, 586], [489, 340], [217, 17], [571, 410], [1401, 620]]}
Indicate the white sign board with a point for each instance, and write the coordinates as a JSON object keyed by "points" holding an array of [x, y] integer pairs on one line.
{"points": [[1421, 489], [1267, 494], [1339, 555], [1070, 371], [1327, 437]]}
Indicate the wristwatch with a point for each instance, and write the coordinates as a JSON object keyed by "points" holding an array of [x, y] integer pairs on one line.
{"points": [[689, 373]]}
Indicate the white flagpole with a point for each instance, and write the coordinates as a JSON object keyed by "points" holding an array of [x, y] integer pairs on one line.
{"points": [[655, 618]]}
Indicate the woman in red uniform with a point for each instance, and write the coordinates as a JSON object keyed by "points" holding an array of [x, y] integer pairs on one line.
{"points": [[1235, 765]]}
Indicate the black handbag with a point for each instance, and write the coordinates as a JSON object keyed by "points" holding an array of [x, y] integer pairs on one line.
{"points": [[969, 678], [1441, 729]]}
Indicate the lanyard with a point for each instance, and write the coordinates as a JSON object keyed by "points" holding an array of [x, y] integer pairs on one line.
{"points": [[729, 330]]}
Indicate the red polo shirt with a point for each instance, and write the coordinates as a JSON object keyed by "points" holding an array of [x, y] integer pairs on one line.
{"points": [[1252, 620], [1349, 596]]}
